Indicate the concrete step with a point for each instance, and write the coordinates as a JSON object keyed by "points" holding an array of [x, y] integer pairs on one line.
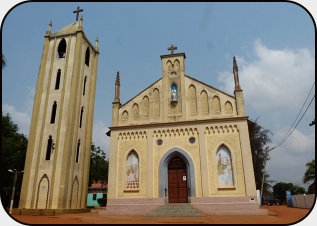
{"points": [[175, 210]]}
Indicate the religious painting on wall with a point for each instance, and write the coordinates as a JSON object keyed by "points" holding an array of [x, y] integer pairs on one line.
{"points": [[224, 167], [132, 171]]}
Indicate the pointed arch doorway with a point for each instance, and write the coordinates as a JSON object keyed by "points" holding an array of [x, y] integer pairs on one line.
{"points": [[177, 181]]}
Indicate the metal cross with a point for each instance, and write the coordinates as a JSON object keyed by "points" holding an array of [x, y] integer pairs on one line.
{"points": [[77, 12], [172, 48]]}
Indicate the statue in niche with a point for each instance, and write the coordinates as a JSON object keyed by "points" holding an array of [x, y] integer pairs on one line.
{"points": [[174, 93]]}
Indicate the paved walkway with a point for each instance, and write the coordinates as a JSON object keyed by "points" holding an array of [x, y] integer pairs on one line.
{"points": [[278, 215]]}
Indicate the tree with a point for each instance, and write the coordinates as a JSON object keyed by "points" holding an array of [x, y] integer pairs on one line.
{"points": [[279, 190], [13, 151], [4, 63], [259, 140], [98, 165], [310, 176]]}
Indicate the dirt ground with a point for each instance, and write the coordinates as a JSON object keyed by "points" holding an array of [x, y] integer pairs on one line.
{"points": [[277, 215]]}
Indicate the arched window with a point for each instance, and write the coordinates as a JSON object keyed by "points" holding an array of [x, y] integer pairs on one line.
{"points": [[81, 116], [58, 78], [87, 56], [53, 112], [62, 49], [224, 167], [85, 80], [49, 148], [132, 171], [77, 152]]}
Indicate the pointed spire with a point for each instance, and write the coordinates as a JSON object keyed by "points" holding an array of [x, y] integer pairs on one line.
{"points": [[117, 89], [235, 66], [50, 26], [118, 79], [236, 75], [96, 42]]}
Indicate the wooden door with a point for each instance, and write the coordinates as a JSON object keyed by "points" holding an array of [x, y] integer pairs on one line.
{"points": [[177, 181]]}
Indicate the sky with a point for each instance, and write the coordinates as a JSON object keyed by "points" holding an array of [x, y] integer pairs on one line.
{"points": [[274, 44]]}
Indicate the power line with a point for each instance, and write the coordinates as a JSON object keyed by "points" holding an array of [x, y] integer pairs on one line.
{"points": [[297, 122], [287, 133]]}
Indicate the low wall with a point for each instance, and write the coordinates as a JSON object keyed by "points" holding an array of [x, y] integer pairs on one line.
{"points": [[303, 201]]}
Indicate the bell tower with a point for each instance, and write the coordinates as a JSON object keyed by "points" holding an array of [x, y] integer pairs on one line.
{"points": [[58, 155], [173, 71]]}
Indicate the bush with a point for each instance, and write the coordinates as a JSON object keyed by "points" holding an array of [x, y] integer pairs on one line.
{"points": [[102, 201]]}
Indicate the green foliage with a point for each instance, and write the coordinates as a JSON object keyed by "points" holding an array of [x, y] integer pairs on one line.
{"points": [[13, 151], [102, 201], [259, 139], [310, 176], [4, 62], [279, 190], [98, 165]]}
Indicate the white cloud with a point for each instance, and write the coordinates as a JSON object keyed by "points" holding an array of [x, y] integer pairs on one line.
{"points": [[274, 79], [275, 84], [99, 136], [298, 142], [22, 119]]}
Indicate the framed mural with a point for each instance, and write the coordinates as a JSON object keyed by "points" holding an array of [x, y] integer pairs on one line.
{"points": [[132, 171], [224, 167]]}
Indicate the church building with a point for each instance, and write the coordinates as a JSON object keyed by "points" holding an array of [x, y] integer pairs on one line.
{"points": [[180, 141]]}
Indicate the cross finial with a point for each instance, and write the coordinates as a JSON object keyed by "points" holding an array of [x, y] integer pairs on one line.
{"points": [[77, 12], [172, 48]]}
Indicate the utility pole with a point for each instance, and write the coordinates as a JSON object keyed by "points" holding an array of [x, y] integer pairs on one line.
{"points": [[14, 183], [267, 151]]}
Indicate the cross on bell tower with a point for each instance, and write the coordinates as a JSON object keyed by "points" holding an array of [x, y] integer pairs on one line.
{"points": [[77, 12], [172, 48]]}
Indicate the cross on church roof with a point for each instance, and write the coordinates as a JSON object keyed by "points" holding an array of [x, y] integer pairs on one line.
{"points": [[172, 48], [77, 12]]}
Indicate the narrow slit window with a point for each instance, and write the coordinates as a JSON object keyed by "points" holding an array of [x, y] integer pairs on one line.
{"points": [[85, 80], [77, 152], [81, 116], [62, 49], [87, 56], [49, 148], [58, 78], [53, 113]]}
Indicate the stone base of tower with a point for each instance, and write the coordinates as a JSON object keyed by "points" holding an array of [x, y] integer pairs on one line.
{"points": [[48, 212], [131, 206], [236, 205]]}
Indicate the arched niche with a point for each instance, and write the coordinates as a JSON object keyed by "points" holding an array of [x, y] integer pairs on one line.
{"points": [[135, 111], [156, 103], [224, 166], [204, 102], [132, 171], [192, 99], [216, 104]]}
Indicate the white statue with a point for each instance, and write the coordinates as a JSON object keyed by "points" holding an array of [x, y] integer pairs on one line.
{"points": [[174, 94]]}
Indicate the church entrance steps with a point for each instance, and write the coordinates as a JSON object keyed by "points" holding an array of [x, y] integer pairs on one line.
{"points": [[175, 210], [240, 205], [131, 206]]}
